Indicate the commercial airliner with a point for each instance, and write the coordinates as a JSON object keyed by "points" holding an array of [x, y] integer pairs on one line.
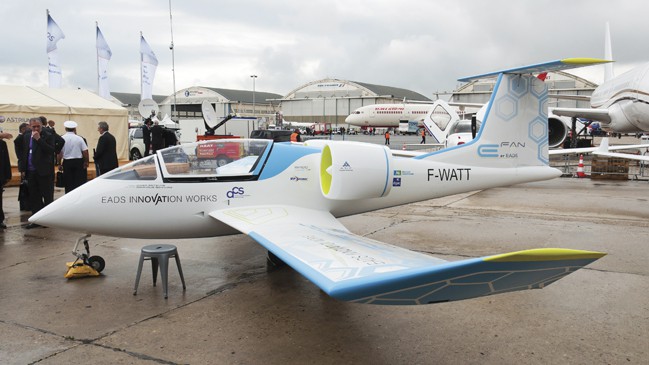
{"points": [[388, 115]]}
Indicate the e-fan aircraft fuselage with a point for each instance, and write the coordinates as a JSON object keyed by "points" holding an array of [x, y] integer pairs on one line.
{"points": [[286, 196]]}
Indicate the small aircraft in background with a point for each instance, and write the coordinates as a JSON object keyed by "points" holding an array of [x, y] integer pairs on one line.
{"points": [[287, 196]]}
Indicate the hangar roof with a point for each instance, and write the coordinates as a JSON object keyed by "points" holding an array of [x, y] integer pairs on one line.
{"points": [[394, 91], [245, 96], [329, 87], [133, 98]]}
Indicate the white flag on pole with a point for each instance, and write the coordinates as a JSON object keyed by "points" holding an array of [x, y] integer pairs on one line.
{"points": [[103, 56], [149, 65], [54, 34]]}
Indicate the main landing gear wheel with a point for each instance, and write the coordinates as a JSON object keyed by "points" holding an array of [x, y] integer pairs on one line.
{"points": [[97, 263], [273, 262]]}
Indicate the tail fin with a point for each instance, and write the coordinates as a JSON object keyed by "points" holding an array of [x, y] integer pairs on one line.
{"points": [[608, 54], [514, 131]]}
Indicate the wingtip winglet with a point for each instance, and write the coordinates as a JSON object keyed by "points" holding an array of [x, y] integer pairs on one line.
{"points": [[546, 254]]}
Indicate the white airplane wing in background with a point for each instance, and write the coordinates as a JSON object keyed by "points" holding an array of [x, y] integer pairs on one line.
{"points": [[358, 269], [585, 98], [601, 115], [604, 150]]}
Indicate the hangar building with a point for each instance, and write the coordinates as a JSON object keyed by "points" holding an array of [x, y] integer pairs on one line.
{"points": [[332, 100], [187, 102]]}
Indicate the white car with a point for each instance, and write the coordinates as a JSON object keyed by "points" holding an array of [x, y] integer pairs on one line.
{"points": [[136, 142], [460, 133]]}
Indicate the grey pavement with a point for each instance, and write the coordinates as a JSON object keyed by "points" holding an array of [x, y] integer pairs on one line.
{"points": [[236, 312]]}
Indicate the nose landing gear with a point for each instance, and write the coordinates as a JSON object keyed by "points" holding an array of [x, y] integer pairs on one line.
{"points": [[84, 265]]}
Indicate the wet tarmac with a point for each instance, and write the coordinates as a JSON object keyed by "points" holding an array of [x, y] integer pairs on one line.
{"points": [[236, 312]]}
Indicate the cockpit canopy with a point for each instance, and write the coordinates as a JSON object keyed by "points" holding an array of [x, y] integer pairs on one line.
{"points": [[209, 160]]}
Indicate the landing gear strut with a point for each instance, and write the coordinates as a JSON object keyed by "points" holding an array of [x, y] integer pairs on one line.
{"points": [[273, 262], [96, 262]]}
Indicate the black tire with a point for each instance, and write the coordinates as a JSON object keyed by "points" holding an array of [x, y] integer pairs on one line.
{"points": [[222, 161], [97, 263], [135, 154]]}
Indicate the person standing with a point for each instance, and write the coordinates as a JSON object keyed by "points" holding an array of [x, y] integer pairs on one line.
{"points": [[37, 166], [106, 153], [170, 137], [75, 158], [295, 136], [387, 137], [146, 136], [5, 173], [423, 136], [157, 137], [19, 148]]}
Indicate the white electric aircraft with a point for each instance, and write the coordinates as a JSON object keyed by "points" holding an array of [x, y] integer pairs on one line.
{"points": [[286, 196]]}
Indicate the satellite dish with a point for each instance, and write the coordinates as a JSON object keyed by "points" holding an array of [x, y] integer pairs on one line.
{"points": [[208, 113], [148, 108]]}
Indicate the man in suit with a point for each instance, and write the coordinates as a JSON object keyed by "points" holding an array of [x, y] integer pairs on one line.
{"points": [[5, 173], [37, 166], [19, 148], [106, 153], [157, 137], [146, 136]]}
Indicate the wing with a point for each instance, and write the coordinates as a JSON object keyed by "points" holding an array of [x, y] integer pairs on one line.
{"points": [[585, 98], [594, 114], [358, 269], [604, 150]]}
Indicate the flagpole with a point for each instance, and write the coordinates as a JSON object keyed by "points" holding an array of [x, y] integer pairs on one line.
{"points": [[141, 59], [97, 52], [173, 62]]}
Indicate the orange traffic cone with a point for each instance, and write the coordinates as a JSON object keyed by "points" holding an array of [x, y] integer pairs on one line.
{"points": [[580, 167]]}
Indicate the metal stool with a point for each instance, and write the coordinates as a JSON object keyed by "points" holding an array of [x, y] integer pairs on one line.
{"points": [[159, 255]]}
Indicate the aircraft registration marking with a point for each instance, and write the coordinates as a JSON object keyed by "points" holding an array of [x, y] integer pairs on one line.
{"points": [[452, 174]]}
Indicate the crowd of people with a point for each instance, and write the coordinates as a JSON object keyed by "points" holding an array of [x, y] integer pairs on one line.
{"points": [[41, 151]]}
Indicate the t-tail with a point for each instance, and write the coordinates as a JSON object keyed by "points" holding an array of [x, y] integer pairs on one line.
{"points": [[514, 130]]}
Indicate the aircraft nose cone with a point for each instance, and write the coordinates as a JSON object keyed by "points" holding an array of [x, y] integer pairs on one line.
{"points": [[57, 213]]}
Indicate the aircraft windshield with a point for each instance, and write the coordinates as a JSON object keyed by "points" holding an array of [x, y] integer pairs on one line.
{"points": [[207, 159], [214, 158], [143, 169]]}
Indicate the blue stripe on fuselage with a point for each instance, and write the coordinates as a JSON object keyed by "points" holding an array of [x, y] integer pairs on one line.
{"points": [[282, 156]]}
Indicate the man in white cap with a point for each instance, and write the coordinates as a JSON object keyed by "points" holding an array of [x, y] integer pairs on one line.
{"points": [[75, 158]]}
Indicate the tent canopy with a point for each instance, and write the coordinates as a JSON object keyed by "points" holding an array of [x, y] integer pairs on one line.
{"points": [[20, 103]]}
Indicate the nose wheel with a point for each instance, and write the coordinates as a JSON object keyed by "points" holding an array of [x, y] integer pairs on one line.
{"points": [[96, 262]]}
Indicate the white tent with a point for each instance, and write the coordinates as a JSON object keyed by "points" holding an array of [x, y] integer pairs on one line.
{"points": [[20, 103]]}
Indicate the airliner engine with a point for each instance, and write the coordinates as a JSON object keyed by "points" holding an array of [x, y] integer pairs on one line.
{"points": [[352, 170], [558, 130]]}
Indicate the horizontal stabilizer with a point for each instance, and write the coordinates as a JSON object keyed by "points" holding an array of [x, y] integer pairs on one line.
{"points": [[564, 64]]}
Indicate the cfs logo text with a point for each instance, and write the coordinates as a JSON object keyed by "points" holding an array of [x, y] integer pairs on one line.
{"points": [[235, 192]]}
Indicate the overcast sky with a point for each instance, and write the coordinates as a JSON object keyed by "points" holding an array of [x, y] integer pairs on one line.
{"points": [[422, 45]]}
